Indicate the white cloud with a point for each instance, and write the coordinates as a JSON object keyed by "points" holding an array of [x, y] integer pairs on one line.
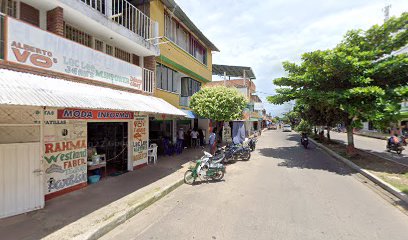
{"points": [[262, 34]]}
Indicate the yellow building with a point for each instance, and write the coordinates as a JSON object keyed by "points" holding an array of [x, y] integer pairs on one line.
{"points": [[183, 66]]}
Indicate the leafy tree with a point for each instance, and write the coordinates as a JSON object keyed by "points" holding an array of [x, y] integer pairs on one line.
{"points": [[355, 80], [304, 127], [218, 103]]}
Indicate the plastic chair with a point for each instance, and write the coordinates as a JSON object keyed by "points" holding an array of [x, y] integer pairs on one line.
{"points": [[152, 153]]}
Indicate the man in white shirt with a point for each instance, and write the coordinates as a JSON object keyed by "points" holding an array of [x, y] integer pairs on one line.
{"points": [[194, 137], [180, 141]]}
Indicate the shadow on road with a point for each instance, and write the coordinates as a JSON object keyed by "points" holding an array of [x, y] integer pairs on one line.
{"points": [[298, 157]]}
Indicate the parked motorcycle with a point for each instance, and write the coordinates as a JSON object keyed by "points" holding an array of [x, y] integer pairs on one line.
{"points": [[237, 151], [304, 140], [208, 167], [252, 143], [404, 140], [398, 148]]}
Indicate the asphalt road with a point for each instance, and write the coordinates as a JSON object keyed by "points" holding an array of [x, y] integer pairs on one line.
{"points": [[373, 145], [283, 192]]}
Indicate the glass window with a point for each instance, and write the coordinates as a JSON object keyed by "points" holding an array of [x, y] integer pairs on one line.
{"points": [[164, 77], [169, 79], [158, 76]]}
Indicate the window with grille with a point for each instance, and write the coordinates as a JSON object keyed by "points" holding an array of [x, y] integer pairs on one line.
{"points": [[98, 45], [121, 54], [109, 49], [77, 35], [8, 7]]}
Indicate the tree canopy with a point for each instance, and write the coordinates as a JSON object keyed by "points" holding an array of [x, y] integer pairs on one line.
{"points": [[218, 103], [357, 79]]}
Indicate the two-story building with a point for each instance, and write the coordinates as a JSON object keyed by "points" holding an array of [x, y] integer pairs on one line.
{"points": [[77, 79], [243, 81], [182, 68]]}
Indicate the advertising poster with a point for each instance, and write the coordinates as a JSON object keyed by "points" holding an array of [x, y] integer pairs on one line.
{"points": [[34, 47], [140, 139], [65, 152]]}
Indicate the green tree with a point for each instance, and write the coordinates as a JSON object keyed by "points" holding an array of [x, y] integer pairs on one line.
{"points": [[219, 103], [355, 80]]}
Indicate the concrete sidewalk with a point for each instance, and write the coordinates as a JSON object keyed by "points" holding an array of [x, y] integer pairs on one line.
{"points": [[94, 210]]}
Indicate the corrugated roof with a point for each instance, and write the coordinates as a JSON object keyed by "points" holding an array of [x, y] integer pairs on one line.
{"points": [[178, 12], [26, 89], [233, 71]]}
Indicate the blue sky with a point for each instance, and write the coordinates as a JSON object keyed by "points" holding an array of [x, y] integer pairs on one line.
{"points": [[262, 34]]}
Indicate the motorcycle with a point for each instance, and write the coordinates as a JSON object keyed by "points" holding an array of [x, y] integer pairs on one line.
{"points": [[208, 167], [398, 148], [252, 143], [404, 140], [304, 140], [237, 151]]}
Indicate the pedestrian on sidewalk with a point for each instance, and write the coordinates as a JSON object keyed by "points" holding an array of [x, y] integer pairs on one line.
{"points": [[180, 141], [211, 141], [194, 137]]}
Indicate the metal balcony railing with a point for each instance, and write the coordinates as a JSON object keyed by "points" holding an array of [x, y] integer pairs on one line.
{"points": [[148, 80], [125, 14]]}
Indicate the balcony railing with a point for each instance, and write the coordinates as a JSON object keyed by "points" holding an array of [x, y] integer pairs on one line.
{"points": [[148, 80], [125, 14], [185, 101]]}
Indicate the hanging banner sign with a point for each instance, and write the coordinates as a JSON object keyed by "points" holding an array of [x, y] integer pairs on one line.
{"points": [[93, 114], [34, 47]]}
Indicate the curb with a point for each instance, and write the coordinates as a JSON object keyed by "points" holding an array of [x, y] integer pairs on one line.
{"points": [[111, 216], [131, 211], [369, 136], [391, 189], [377, 155]]}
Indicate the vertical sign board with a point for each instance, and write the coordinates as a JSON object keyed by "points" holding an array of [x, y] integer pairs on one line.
{"points": [[34, 47], [226, 133], [65, 152], [140, 139]]}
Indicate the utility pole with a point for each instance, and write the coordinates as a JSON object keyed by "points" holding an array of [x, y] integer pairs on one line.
{"points": [[386, 11], [225, 79]]}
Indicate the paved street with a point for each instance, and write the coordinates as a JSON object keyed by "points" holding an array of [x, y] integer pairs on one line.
{"points": [[283, 192], [373, 145]]}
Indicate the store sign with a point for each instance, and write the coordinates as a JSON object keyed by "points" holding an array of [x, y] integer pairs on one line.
{"points": [[65, 152], [94, 114], [140, 139], [34, 47]]}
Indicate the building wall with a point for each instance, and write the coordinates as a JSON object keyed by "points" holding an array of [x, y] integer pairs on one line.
{"points": [[177, 57], [172, 98]]}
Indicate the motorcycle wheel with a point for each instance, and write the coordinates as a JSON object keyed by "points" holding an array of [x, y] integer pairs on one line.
{"points": [[305, 145], [219, 176], [189, 178], [246, 156]]}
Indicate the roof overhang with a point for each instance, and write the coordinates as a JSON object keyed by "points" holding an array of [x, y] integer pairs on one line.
{"points": [[24, 89], [178, 12], [233, 71]]}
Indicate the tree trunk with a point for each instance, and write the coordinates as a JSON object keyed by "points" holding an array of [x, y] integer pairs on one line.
{"points": [[351, 150]]}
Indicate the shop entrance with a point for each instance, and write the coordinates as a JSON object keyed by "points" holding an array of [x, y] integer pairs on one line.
{"points": [[108, 148]]}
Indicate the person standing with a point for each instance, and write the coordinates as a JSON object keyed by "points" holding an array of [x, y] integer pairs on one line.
{"points": [[211, 141], [180, 141], [194, 137], [201, 136]]}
